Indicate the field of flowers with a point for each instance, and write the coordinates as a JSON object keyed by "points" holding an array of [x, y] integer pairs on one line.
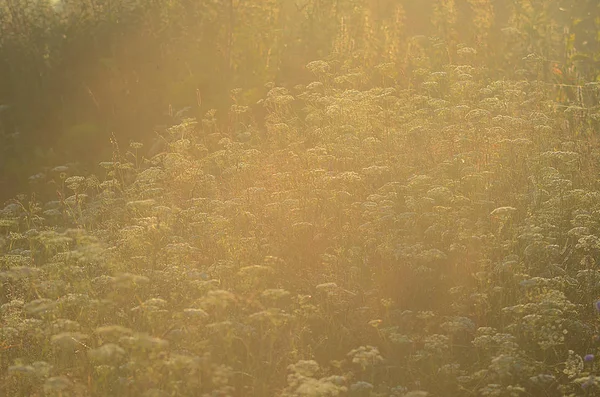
{"points": [[435, 240]]}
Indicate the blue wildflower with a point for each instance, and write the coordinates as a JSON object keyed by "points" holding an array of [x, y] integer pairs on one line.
{"points": [[591, 381], [598, 306], [588, 358]]}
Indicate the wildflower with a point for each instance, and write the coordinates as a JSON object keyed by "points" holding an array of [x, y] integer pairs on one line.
{"points": [[139, 205], [107, 354], [142, 342], [57, 384], [588, 358], [195, 313], [273, 316], [64, 325], [128, 280], [218, 298], [360, 388], [60, 169], [74, 182], [328, 288], [42, 368], [112, 332], [39, 307], [258, 271], [398, 390], [318, 387], [416, 393], [467, 51], [542, 379], [573, 365], [598, 306], [221, 375], [437, 343], [21, 370], [315, 86], [154, 305], [503, 212], [587, 381], [318, 67], [275, 294], [365, 356], [305, 368]]}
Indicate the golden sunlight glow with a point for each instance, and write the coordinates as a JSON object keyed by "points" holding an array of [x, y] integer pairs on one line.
{"points": [[299, 198]]}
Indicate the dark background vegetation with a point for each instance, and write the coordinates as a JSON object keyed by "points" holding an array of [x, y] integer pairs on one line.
{"points": [[76, 73]]}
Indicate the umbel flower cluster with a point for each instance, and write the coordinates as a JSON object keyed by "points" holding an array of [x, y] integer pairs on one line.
{"points": [[440, 240]]}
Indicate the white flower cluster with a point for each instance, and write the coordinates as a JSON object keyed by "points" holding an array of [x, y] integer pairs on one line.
{"points": [[366, 356], [303, 383]]}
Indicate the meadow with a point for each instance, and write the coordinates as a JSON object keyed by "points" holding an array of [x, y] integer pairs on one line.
{"points": [[420, 226]]}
